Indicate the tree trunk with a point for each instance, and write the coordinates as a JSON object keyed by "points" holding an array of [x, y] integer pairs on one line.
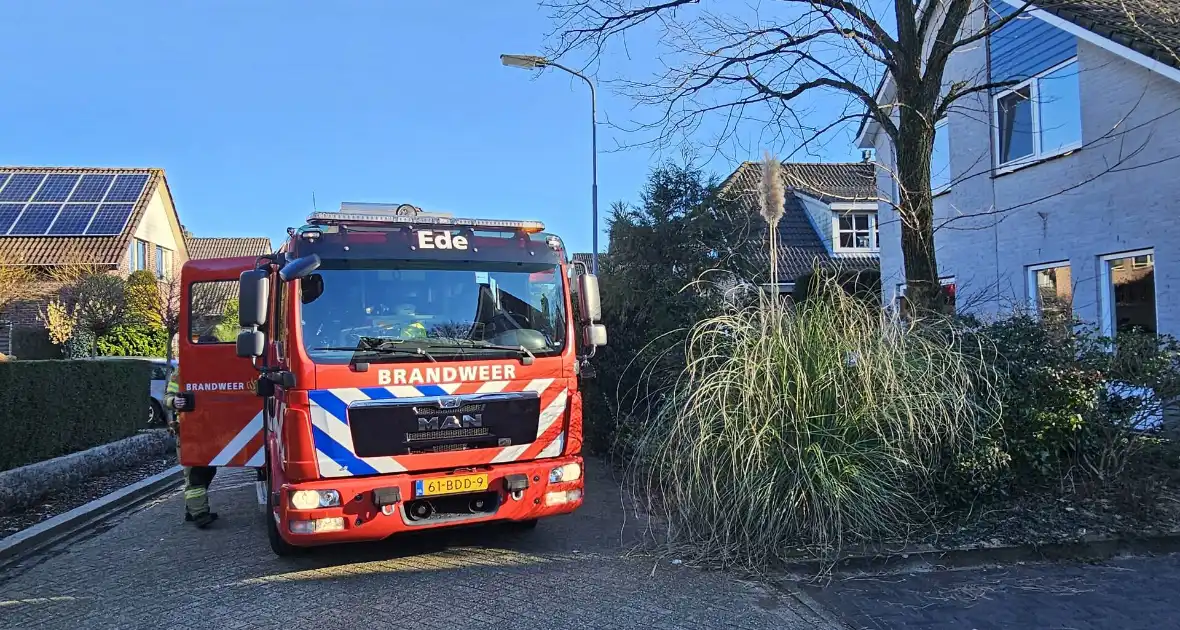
{"points": [[916, 209]]}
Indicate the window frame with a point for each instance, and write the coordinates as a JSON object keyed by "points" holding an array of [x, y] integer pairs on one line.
{"points": [[1030, 275], [161, 258], [874, 230], [1106, 288], [191, 315], [1034, 90], [942, 126]]}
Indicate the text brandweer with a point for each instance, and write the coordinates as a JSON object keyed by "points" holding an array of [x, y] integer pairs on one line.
{"points": [[415, 376]]}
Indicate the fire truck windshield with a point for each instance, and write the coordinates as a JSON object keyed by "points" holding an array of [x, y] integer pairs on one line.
{"points": [[424, 310]]}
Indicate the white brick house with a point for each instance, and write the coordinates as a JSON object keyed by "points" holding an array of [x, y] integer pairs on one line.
{"points": [[1063, 189]]}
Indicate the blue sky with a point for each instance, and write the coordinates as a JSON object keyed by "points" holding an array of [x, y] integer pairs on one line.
{"points": [[251, 106]]}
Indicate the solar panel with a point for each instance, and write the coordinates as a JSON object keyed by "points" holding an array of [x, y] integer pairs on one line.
{"points": [[92, 188], [110, 218], [56, 187], [73, 219], [3, 179], [36, 218], [127, 189], [21, 187], [8, 214]]}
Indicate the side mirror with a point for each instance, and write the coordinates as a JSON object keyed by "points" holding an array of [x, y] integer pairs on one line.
{"points": [[594, 335], [311, 288], [253, 297], [588, 298], [299, 267], [251, 343]]}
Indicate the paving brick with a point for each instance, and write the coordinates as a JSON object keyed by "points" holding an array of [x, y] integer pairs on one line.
{"points": [[149, 570], [1127, 594]]}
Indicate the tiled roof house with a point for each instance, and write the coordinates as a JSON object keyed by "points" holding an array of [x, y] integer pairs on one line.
{"points": [[122, 219], [829, 217]]}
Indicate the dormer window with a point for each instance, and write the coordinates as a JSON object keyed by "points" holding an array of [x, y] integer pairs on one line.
{"points": [[855, 230]]}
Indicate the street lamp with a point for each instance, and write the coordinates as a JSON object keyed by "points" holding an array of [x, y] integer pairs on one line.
{"points": [[532, 62]]}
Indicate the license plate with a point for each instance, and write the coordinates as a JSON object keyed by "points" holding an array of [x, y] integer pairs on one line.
{"points": [[454, 484]]}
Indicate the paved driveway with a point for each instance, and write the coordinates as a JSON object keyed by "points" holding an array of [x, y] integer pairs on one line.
{"points": [[147, 570]]}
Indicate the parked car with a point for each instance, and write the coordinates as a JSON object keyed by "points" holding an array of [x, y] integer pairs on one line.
{"points": [[159, 385]]}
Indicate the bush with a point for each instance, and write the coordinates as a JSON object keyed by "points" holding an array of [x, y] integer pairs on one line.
{"points": [[142, 295], [33, 343], [134, 340], [80, 344], [53, 408], [1074, 403], [808, 426]]}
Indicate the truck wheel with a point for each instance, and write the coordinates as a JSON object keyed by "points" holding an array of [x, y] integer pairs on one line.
{"points": [[280, 547]]}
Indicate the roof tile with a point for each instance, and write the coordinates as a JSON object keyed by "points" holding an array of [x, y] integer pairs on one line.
{"points": [[800, 249], [227, 247], [57, 250]]}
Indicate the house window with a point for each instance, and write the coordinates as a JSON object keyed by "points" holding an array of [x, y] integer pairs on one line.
{"points": [[137, 255], [856, 231], [948, 286], [163, 260], [1128, 292], [940, 159], [1040, 117], [1050, 290]]}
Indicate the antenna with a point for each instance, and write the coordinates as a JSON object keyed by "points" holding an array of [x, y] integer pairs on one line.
{"points": [[313, 208]]}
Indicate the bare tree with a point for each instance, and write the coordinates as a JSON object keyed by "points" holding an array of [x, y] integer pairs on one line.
{"points": [[16, 284], [169, 312], [795, 50]]}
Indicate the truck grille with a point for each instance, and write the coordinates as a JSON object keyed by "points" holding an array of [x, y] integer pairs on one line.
{"points": [[383, 428]]}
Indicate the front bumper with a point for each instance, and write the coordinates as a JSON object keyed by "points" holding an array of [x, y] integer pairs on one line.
{"points": [[364, 520]]}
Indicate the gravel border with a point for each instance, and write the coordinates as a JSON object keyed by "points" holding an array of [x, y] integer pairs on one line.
{"points": [[61, 501]]}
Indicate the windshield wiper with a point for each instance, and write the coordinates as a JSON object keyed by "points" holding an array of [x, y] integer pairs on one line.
{"points": [[381, 348], [527, 357]]}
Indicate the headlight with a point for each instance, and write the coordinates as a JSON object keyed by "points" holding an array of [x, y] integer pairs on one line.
{"points": [[312, 499], [568, 472]]}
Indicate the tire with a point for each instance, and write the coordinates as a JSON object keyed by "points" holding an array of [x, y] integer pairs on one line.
{"points": [[280, 547], [155, 414]]}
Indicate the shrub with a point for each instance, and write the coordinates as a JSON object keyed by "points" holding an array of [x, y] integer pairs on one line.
{"points": [[29, 342], [134, 340], [52, 408], [80, 344], [808, 426], [142, 295]]}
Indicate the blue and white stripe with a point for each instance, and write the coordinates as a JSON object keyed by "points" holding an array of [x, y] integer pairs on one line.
{"points": [[336, 454]]}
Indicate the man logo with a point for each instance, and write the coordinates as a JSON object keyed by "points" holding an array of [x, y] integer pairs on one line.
{"points": [[444, 423]]}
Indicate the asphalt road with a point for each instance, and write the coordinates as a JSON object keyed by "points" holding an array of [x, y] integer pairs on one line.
{"points": [[148, 569]]}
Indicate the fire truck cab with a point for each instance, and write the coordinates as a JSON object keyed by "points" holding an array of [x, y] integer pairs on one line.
{"points": [[391, 370]]}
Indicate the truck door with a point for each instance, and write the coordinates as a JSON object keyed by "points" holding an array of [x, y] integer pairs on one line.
{"points": [[224, 425]]}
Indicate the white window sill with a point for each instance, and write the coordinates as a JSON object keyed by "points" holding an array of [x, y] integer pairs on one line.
{"points": [[855, 252], [1023, 163]]}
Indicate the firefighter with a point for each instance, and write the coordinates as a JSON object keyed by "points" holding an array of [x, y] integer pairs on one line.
{"points": [[196, 478], [415, 329]]}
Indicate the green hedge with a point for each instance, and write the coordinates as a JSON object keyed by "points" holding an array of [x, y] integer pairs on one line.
{"points": [[30, 342], [53, 408]]}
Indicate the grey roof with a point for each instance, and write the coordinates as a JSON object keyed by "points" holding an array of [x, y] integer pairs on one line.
{"points": [[800, 248], [582, 257], [1150, 27]]}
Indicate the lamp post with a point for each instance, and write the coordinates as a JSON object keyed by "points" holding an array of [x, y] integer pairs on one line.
{"points": [[531, 62]]}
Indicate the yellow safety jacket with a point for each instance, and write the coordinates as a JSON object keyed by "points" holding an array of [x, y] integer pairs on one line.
{"points": [[415, 330], [170, 392]]}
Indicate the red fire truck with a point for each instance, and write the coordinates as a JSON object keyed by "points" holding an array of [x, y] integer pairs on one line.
{"points": [[392, 370]]}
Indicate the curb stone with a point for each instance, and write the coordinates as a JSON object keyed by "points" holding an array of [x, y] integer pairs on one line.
{"points": [[32, 539], [913, 558]]}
